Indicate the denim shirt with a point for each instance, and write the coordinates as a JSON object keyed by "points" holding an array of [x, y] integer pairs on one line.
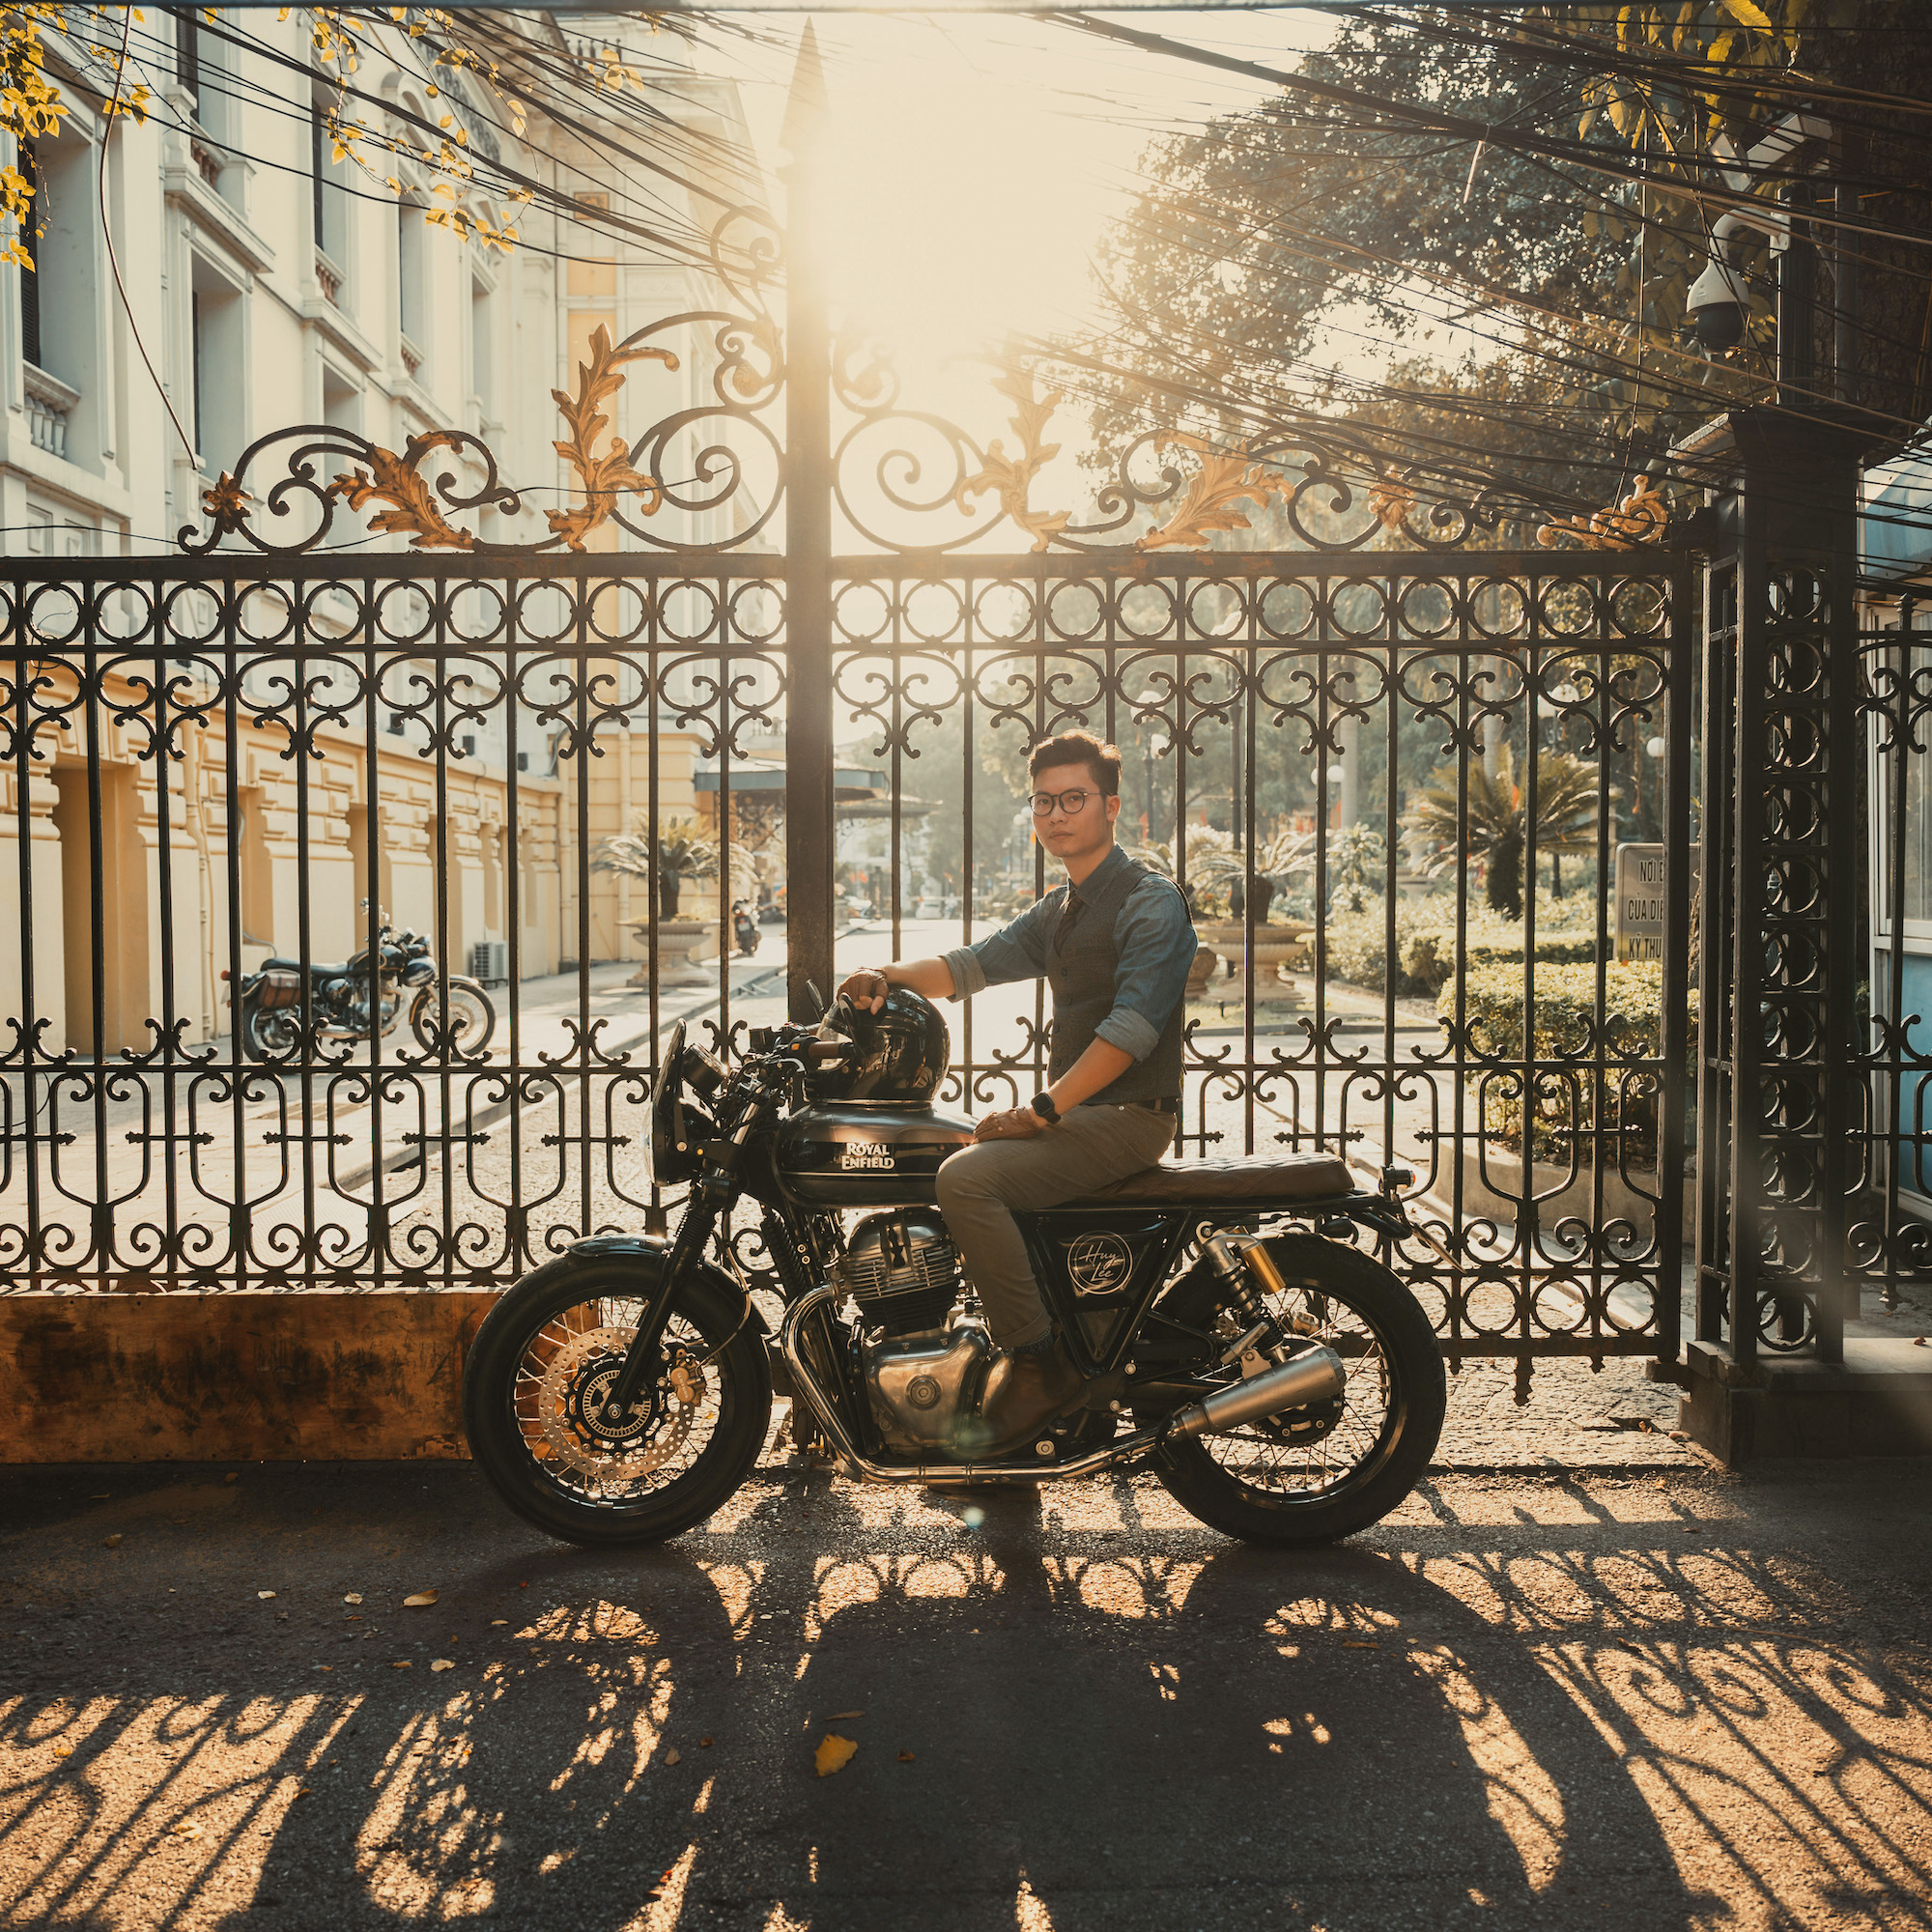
{"points": [[1153, 939]]}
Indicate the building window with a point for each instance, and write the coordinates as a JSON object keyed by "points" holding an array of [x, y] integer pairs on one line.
{"points": [[329, 206], [410, 292], [481, 368], [218, 351], [30, 277], [187, 50]]}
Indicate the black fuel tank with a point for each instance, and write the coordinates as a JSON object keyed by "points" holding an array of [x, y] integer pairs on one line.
{"points": [[867, 1156]]}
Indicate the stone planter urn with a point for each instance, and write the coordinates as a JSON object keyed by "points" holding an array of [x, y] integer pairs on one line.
{"points": [[681, 944], [1275, 947]]}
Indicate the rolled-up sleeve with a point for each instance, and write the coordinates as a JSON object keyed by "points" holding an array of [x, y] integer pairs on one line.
{"points": [[1155, 947], [1016, 951]]}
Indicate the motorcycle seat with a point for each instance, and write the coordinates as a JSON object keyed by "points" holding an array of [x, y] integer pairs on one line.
{"points": [[317, 969], [1228, 1181]]}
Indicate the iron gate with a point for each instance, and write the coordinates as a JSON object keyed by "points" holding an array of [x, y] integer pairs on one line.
{"points": [[1344, 742]]}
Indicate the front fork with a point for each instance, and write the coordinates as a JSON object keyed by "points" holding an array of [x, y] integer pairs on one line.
{"points": [[641, 1358]]}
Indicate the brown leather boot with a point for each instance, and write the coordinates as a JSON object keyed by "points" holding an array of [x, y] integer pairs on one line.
{"points": [[1024, 1393]]}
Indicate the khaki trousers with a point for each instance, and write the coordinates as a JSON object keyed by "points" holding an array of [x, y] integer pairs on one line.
{"points": [[981, 1186]]}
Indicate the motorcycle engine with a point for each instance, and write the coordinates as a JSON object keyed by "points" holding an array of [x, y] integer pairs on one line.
{"points": [[903, 1271], [922, 1373]]}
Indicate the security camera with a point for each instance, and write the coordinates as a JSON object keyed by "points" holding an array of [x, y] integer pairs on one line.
{"points": [[1717, 304], [1719, 301]]}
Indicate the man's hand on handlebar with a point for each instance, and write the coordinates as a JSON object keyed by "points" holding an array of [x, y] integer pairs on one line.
{"points": [[865, 989], [1015, 1123]]}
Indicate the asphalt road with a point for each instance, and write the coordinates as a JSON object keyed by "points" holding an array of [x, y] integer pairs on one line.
{"points": [[1648, 1699]]}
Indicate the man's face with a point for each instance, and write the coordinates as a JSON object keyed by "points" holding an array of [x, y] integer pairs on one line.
{"points": [[1074, 835]]}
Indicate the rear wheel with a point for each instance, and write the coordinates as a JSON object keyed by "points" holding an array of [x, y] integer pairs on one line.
{"points": [[270, 1032], [546, 1356], [1312, 1474]]}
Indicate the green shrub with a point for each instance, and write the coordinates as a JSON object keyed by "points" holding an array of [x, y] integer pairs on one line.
{"points": [[1569, 1104], [1424, 941]]}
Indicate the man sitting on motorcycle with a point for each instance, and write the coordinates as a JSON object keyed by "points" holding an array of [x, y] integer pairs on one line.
{"points": [[1114, 944]]}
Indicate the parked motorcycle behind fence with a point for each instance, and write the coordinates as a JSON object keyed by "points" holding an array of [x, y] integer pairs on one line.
{"points": [[744, 930], [398, 975]]}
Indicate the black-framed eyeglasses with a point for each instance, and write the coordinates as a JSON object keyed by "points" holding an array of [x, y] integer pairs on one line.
{"points": [[1068, 802]]}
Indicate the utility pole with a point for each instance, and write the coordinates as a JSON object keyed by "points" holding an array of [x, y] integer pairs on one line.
{"points": [[810, 782]]}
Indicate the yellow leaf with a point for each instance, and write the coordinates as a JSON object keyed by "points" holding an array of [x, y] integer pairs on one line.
{"points": [[63, 1750], [443, 1664], [421, 1600], [402, 1664], [354, 1597], [266, 1596], [906, 1757], [111, 1542], [833, 1753], [494, 1621], [186, 1829], [1356, 1643], [839, 1716], [671, 1757], [1750, 13]]}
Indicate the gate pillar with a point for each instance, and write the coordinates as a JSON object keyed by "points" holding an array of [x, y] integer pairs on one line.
{"points": [[1781, 1110]]}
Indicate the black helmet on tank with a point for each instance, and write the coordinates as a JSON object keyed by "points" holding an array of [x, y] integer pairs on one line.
{"points": [[898, 1056]]}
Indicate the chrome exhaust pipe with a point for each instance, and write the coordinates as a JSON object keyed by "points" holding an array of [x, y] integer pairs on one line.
{"points": [[1315, 1375]]}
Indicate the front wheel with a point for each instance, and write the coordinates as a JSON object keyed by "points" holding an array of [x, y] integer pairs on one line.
{"points": [[460, 1027], [547, 1354], [1311, 1475]]}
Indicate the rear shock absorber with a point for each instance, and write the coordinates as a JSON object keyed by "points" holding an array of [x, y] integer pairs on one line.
{"points": [[1242, 1261]]}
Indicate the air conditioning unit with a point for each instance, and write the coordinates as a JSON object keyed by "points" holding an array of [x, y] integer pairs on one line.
{"points": [[490, 961]]}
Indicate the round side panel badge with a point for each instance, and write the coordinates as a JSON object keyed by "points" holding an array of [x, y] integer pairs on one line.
{"points": [[1099, 1264]]}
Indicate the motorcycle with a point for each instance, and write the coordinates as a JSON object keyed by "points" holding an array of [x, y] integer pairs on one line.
{"points": [[1284, 1385], [744, 932], [394, 977]]}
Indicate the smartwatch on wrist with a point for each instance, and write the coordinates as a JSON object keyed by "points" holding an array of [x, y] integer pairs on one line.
{"points": [[1042, 1105]]}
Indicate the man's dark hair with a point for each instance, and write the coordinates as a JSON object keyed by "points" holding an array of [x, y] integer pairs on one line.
{"points": [[1080, 747]]}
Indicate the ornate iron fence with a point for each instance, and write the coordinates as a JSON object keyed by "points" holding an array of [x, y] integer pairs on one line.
{"points": [[214, 760]]}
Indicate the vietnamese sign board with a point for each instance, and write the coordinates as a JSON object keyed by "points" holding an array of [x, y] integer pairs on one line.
{"points": [[1637, 921]]}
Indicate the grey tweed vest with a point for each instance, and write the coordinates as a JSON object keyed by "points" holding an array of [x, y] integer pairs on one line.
{"points": [[1080, 965]]}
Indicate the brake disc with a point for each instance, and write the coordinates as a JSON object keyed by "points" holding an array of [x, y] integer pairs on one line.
{"points": [[574, 1381]]}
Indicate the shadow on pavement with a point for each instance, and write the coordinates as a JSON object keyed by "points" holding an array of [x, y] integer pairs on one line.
{"points": [[1057, 1727]]}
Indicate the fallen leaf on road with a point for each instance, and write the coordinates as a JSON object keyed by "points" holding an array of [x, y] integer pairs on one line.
{"points": [[354, 1597], [671, 1757], [705, 1744], [421, 1600], [443, 1664], [906, 1757], [111, 1542], [839, 1716], [833, 1753], [496, 1621], [63, 1750], [1359, 1643], [402, 1664], [186, 1829], [325, 1667]]}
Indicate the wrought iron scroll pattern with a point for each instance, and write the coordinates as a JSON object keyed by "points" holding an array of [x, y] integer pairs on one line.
{"points": [[493, 700]]}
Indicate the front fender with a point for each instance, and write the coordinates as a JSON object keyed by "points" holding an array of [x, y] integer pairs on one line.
{"points": [[649, 1253]]}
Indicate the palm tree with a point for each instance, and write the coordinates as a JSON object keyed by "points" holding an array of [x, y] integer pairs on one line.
{"points": [[1489, 824], [681, 851]]}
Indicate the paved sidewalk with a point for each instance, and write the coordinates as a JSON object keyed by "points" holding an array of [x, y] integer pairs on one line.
{"points": [[1628, 1698]]}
